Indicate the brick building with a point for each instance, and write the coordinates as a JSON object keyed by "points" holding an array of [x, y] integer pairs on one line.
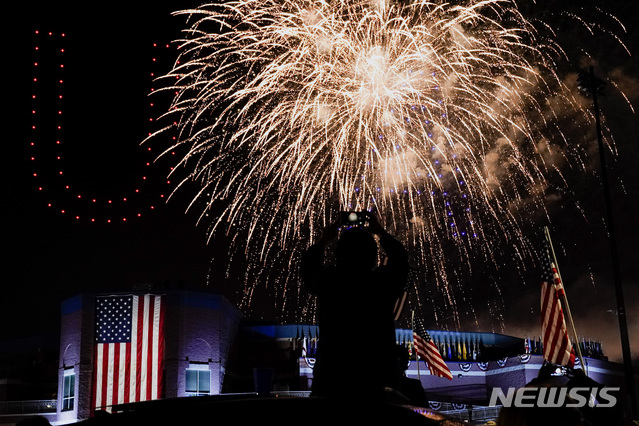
{"points": [[208, 348], [198, 330]]}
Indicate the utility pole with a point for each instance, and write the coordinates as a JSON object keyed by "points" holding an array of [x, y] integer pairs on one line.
{"points": [[593, 87]]}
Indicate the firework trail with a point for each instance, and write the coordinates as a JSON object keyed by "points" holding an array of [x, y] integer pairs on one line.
{"points": [[428, 113]]}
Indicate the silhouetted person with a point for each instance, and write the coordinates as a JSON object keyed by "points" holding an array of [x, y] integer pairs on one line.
{"points": [[355, 297]]}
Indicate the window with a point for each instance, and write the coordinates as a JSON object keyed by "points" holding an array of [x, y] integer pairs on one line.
{"points": [[198, 381], [68, 390]]}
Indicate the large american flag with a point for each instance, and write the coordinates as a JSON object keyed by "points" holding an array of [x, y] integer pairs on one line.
{"points": [[555, 339], [129, 349], [426, 348]]}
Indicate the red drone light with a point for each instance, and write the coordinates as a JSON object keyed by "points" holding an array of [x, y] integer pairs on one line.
{"points": [[45, 64]]}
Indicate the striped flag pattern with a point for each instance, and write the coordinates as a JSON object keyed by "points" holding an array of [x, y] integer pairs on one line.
{"points": [[129, 349], [426, 348], [557, 346]]}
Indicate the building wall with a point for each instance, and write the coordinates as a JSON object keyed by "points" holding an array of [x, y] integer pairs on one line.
{"points": [[509, 372], [199, 329], [76, 353], [473, 382]]}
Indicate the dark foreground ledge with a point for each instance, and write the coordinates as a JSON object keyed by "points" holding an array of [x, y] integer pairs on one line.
{"points": [[251, 410]]}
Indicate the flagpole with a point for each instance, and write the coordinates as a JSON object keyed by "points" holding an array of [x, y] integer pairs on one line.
{"points": [[565, 301], [412, 325]]}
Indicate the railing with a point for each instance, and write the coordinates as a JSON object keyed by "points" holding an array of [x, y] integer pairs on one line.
{"points": [[476, 413], [455, 411], [40, 406]]}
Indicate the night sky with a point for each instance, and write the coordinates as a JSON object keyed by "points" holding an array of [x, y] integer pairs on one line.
{"points": [[51, 255]]}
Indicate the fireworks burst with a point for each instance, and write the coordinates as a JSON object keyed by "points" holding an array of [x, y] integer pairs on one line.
{"points": [[428, 113]]}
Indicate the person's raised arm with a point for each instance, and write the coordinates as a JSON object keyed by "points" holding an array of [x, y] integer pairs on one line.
{"points": [[311, 266], [395, 251], [328, 234]]}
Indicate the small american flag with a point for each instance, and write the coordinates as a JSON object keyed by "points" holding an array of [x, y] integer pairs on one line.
{"points": [[426, 348], [556, 342], [129, 349]]}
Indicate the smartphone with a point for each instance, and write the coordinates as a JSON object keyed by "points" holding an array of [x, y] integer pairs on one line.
{"points": [[351, 219]]}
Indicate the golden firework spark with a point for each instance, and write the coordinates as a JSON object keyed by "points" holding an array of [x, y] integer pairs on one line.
{"points": [[426, 112]]}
